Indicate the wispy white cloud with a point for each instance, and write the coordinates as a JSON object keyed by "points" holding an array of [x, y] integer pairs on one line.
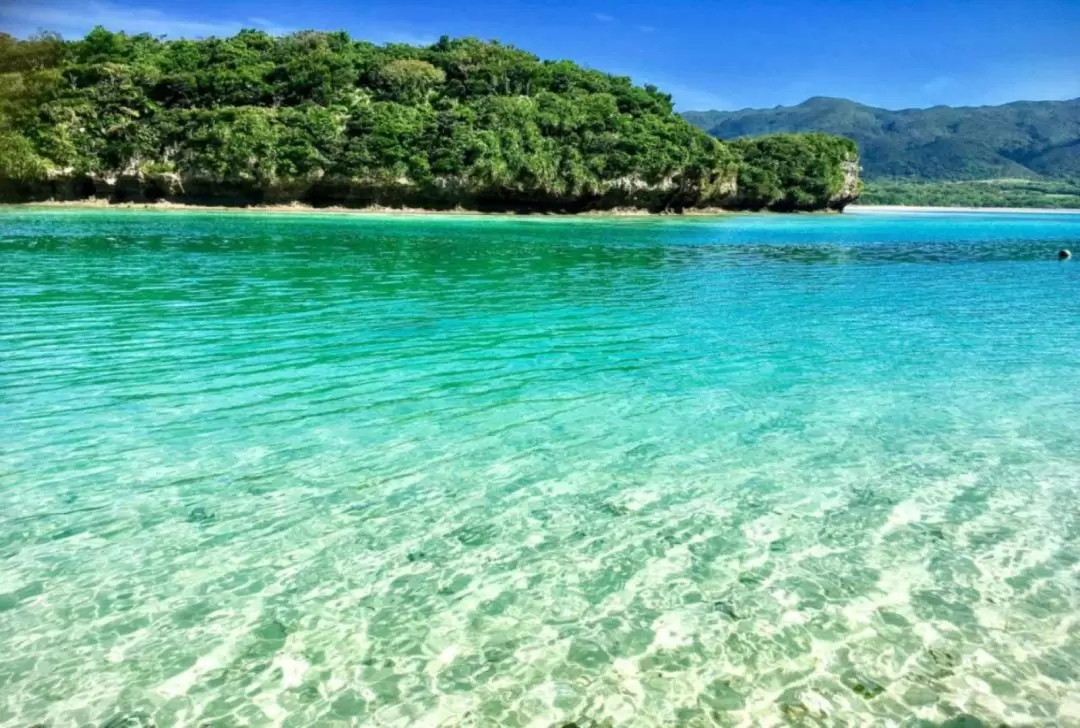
{"points": [[938, 84], [693, 98], [686, 97], [1000, 83], [1050, 81], [603, 17], [73, 19]]}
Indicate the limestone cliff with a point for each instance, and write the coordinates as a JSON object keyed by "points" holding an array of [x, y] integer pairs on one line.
{"points": [[851, 187], [443, 193]]}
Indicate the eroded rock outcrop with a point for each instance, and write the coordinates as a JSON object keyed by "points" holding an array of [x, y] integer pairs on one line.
{"points": [[443, 193], [851, 187]]}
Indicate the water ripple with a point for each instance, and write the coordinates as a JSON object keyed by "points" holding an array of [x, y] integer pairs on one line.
{"points": [[313, 470]]}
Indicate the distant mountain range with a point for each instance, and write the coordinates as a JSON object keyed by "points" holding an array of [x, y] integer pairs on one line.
{"points": [[1025, 139]]}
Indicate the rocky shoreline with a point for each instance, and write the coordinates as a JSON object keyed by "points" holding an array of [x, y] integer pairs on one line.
{"points": [[622, 196]]}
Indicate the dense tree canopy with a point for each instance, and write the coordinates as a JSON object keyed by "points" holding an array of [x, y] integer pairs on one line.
{"points": [[318, 117]]}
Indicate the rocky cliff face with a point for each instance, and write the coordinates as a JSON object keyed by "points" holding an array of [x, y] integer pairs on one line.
{"points": [[850, 189], [445, 193]]}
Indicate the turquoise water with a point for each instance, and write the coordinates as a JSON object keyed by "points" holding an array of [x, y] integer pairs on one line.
{"points": [[755, 471]]}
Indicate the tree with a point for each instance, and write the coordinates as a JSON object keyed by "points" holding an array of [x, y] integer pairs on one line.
{"points": [[409, 80], [18, 160]]}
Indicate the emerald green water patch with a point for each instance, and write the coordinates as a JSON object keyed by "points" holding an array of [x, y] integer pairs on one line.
{"points": [[322, 470]]}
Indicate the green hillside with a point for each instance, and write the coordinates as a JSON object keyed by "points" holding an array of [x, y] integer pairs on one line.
{"points": [[327, 120], [1025, 139]]}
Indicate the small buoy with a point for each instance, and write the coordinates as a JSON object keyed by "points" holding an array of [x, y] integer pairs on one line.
{"points": [[1064, 254]]}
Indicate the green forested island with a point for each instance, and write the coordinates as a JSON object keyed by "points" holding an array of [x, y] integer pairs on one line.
{"points": [[1023, 154], [322, 119]]}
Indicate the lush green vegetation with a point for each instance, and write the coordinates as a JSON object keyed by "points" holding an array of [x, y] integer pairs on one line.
{"points": [[319, 117], [988, 193], [794, 171], [1023, 140]]}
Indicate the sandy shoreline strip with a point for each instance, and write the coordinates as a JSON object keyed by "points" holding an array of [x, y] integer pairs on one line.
{"points": [[300, 208]]}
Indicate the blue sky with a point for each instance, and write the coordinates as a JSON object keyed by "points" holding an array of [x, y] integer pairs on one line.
{"points": [[709, 54]]}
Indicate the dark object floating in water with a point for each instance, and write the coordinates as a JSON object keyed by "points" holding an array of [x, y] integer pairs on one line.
{"points": [[864, 687], [199, 514], [1064, 254], [726, 608]]}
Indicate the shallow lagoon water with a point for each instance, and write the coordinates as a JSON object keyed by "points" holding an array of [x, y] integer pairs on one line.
{"points": [[452, 471]]}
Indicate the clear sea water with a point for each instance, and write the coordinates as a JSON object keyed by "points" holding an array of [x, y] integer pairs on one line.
{"points": [[311, 470]]}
